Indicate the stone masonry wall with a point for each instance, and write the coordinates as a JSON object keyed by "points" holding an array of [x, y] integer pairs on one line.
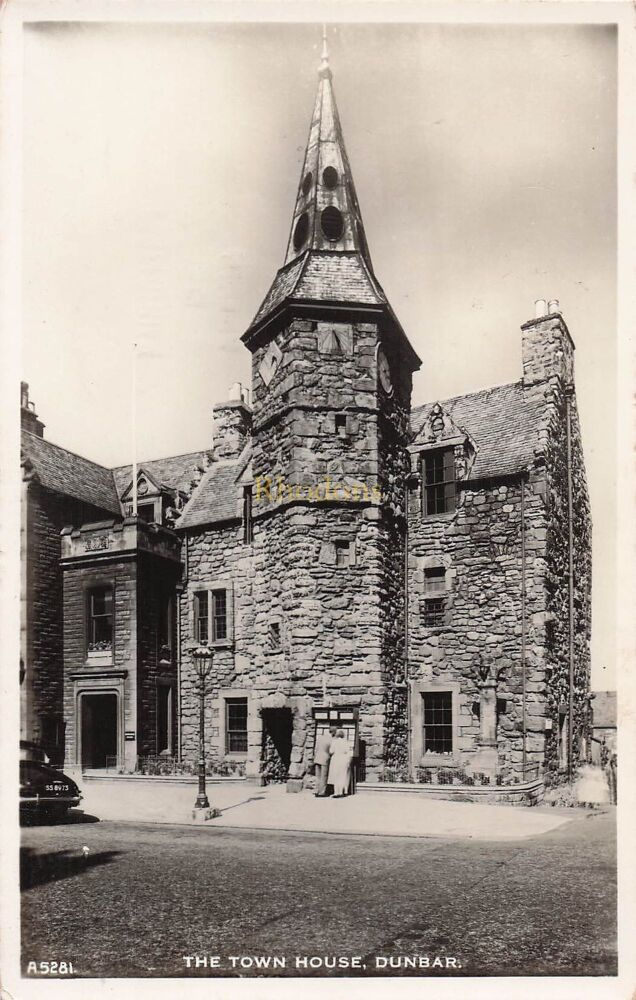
{"points": [[557, 632], [46, 514], [480, 547], [548, 360], [77, 581], [340, 625]]}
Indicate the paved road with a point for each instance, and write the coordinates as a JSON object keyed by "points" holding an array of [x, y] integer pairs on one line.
{"points": [[146, 896]]}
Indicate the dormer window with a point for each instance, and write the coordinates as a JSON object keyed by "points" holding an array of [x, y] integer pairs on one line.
{"points": [[146, 512], [438, 481]]}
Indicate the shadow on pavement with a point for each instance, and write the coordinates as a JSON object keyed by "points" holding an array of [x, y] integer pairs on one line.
{"points": [[38, 869], [76, 816], [254, 798]]}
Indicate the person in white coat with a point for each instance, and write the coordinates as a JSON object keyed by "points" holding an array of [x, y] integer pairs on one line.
{"points": [[340, 765], [322, 755]]}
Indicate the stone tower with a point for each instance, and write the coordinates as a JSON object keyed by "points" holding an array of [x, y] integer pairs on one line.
{"points": [[332, 371]]}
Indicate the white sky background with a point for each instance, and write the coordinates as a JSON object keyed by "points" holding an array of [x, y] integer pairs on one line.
{"points": [[161, 165]]}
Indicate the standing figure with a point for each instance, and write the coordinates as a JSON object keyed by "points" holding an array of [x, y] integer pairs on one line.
{"points": [[340, 765], [322, 754]]}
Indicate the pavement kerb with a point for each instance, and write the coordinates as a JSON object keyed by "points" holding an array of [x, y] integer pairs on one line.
{"points": [[209, 825], [568, 814]]}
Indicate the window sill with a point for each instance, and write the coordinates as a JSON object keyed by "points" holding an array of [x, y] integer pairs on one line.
{"points": [[218, 644], [438, 760], [98, 658]]}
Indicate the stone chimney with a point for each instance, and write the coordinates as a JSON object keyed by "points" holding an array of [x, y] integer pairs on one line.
{"points": [[547, 347], [28, 417], [232, 423]]}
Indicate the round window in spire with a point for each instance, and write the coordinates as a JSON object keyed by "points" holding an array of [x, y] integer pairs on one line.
{"points": [[301, 231], [306, 184], [332, 223], [330, 177]]}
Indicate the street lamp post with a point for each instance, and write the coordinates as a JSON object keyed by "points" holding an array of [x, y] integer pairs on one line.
{"points": [[203, 659]]}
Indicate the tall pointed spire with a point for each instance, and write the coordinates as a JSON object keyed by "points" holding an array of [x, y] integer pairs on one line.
{"points": [[327, 264], [324, 61], [327, 214]]}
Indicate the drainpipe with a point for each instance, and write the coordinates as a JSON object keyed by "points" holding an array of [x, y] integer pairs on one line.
{"points": [[410, 479], [180, 589], [523, 627], [568, 428], [406, 624]]}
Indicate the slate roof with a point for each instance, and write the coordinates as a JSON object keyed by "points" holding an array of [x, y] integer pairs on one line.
{"points": [[215, 498], [604, 709], [324, 276], [502, 423], [175, 472], [64, 472]]}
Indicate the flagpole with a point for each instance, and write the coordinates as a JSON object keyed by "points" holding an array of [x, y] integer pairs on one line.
{"points": [[134, 428]]}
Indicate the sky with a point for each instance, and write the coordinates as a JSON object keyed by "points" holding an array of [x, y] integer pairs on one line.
{"points": [[161, 164]]}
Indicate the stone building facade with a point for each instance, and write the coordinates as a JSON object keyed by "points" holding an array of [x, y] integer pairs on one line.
{"points": [[425, 569]]}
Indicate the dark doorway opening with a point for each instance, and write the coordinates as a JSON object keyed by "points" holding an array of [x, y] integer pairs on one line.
{"points": [[99, 729], [164, 719], [277, 743]]}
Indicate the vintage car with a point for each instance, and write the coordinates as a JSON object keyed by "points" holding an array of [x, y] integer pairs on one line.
{"points": [[46, 791], [33, 751]]}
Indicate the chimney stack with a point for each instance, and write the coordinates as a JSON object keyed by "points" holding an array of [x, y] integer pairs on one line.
{"points": [[28, 417], [547, 347], [232, 423]]}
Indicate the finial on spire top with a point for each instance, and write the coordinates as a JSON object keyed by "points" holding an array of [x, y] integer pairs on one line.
{"points": [[324, 69]]}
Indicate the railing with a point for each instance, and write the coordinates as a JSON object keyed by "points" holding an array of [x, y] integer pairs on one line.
{"points": [[162, 765], [458, 776]]}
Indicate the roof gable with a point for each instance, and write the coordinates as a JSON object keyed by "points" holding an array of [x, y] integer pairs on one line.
{"points": [[502, 424], [218, 497], [68, 474], [176, 472]]}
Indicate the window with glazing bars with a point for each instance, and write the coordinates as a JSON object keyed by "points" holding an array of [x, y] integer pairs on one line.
{"points": [[438, 721], [236, 725], [438, 480], [201, 621], [100, 619], [219, 614], [434, 611]]}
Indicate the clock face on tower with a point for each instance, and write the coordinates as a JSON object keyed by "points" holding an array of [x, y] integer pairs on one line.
{"points": [[384, 372]]}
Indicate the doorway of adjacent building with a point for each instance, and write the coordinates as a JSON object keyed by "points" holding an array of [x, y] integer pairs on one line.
{"points": [[277, 743], [99, 730]]}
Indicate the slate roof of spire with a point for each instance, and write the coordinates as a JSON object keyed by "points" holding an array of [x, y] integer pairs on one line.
{"points": [[326, 183], [503, 422]]}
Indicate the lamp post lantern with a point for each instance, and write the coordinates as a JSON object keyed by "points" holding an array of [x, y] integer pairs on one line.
{"points": [[203, 658]]}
